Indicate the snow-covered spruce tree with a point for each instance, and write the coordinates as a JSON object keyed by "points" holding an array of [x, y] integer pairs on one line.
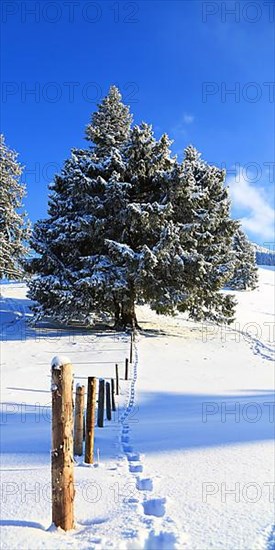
{"points": [[128, 224], [109, 127], [245, 274], [53, 240], [96, 248], [71, 271], [201, 208], [175, 251], [143, 223], [14, 227], [99, 282], [111, 274]]}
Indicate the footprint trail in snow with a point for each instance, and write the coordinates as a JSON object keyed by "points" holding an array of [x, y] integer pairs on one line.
{"points": [[157, 530]]}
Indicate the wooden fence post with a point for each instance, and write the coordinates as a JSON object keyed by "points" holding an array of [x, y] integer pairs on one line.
{"points": [[62, 461], [90, 417], [100, 410], [126, 368], [117, 381], [113, 394], [108, 402], [131, 348], [79, 419]]}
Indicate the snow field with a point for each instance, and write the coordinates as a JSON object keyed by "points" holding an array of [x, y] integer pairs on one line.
{"points": [[187, 460]]}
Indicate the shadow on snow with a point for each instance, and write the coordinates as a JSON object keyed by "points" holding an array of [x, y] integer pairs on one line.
{"points": [[162, 422]]}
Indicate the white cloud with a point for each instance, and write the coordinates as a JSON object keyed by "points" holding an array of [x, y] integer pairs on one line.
{"points": [[180, 128], [251, 203], [188, 119]]}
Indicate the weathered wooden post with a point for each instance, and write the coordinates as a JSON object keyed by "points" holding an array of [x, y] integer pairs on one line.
{"points": [[113, 394], [62, 444], [90, 417], [100, 410], [117, 381], [126, 368], [79, 419], [108, 402], [131, 348]]}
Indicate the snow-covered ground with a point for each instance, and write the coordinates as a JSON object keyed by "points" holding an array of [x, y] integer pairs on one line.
{"points": [[188, 459]]}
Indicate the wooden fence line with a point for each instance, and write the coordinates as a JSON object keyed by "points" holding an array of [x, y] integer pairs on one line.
{"points": [[70, 431]]}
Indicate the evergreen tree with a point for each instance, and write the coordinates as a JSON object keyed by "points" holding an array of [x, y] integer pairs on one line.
{"points": [[110, 126], [245, 275], [143, 222], [202, 210], [128, 224], [72, 274], [112, 271], [55, 241], [96, 245], [14, 228]]}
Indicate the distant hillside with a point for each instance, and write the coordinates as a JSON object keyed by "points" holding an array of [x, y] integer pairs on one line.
{"points": [[264, 256]]}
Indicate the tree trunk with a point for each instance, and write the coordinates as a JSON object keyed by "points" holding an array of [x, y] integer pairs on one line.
{"points": [[125, 316], [117, 308], [128, 316]]}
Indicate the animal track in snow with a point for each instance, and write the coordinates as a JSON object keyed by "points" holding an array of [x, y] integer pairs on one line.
{"points": [[133, 457], [151, 508], [128, 448], [135, 468], [161, 541], [144, 484], [154, 507]]}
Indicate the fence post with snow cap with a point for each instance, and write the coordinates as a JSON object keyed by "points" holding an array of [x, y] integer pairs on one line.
{"points": [[78, 419], [100, 410], [90, 418], [62, 461]]}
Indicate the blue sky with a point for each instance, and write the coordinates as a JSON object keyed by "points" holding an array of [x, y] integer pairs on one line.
{"points": [[175, 63]]}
